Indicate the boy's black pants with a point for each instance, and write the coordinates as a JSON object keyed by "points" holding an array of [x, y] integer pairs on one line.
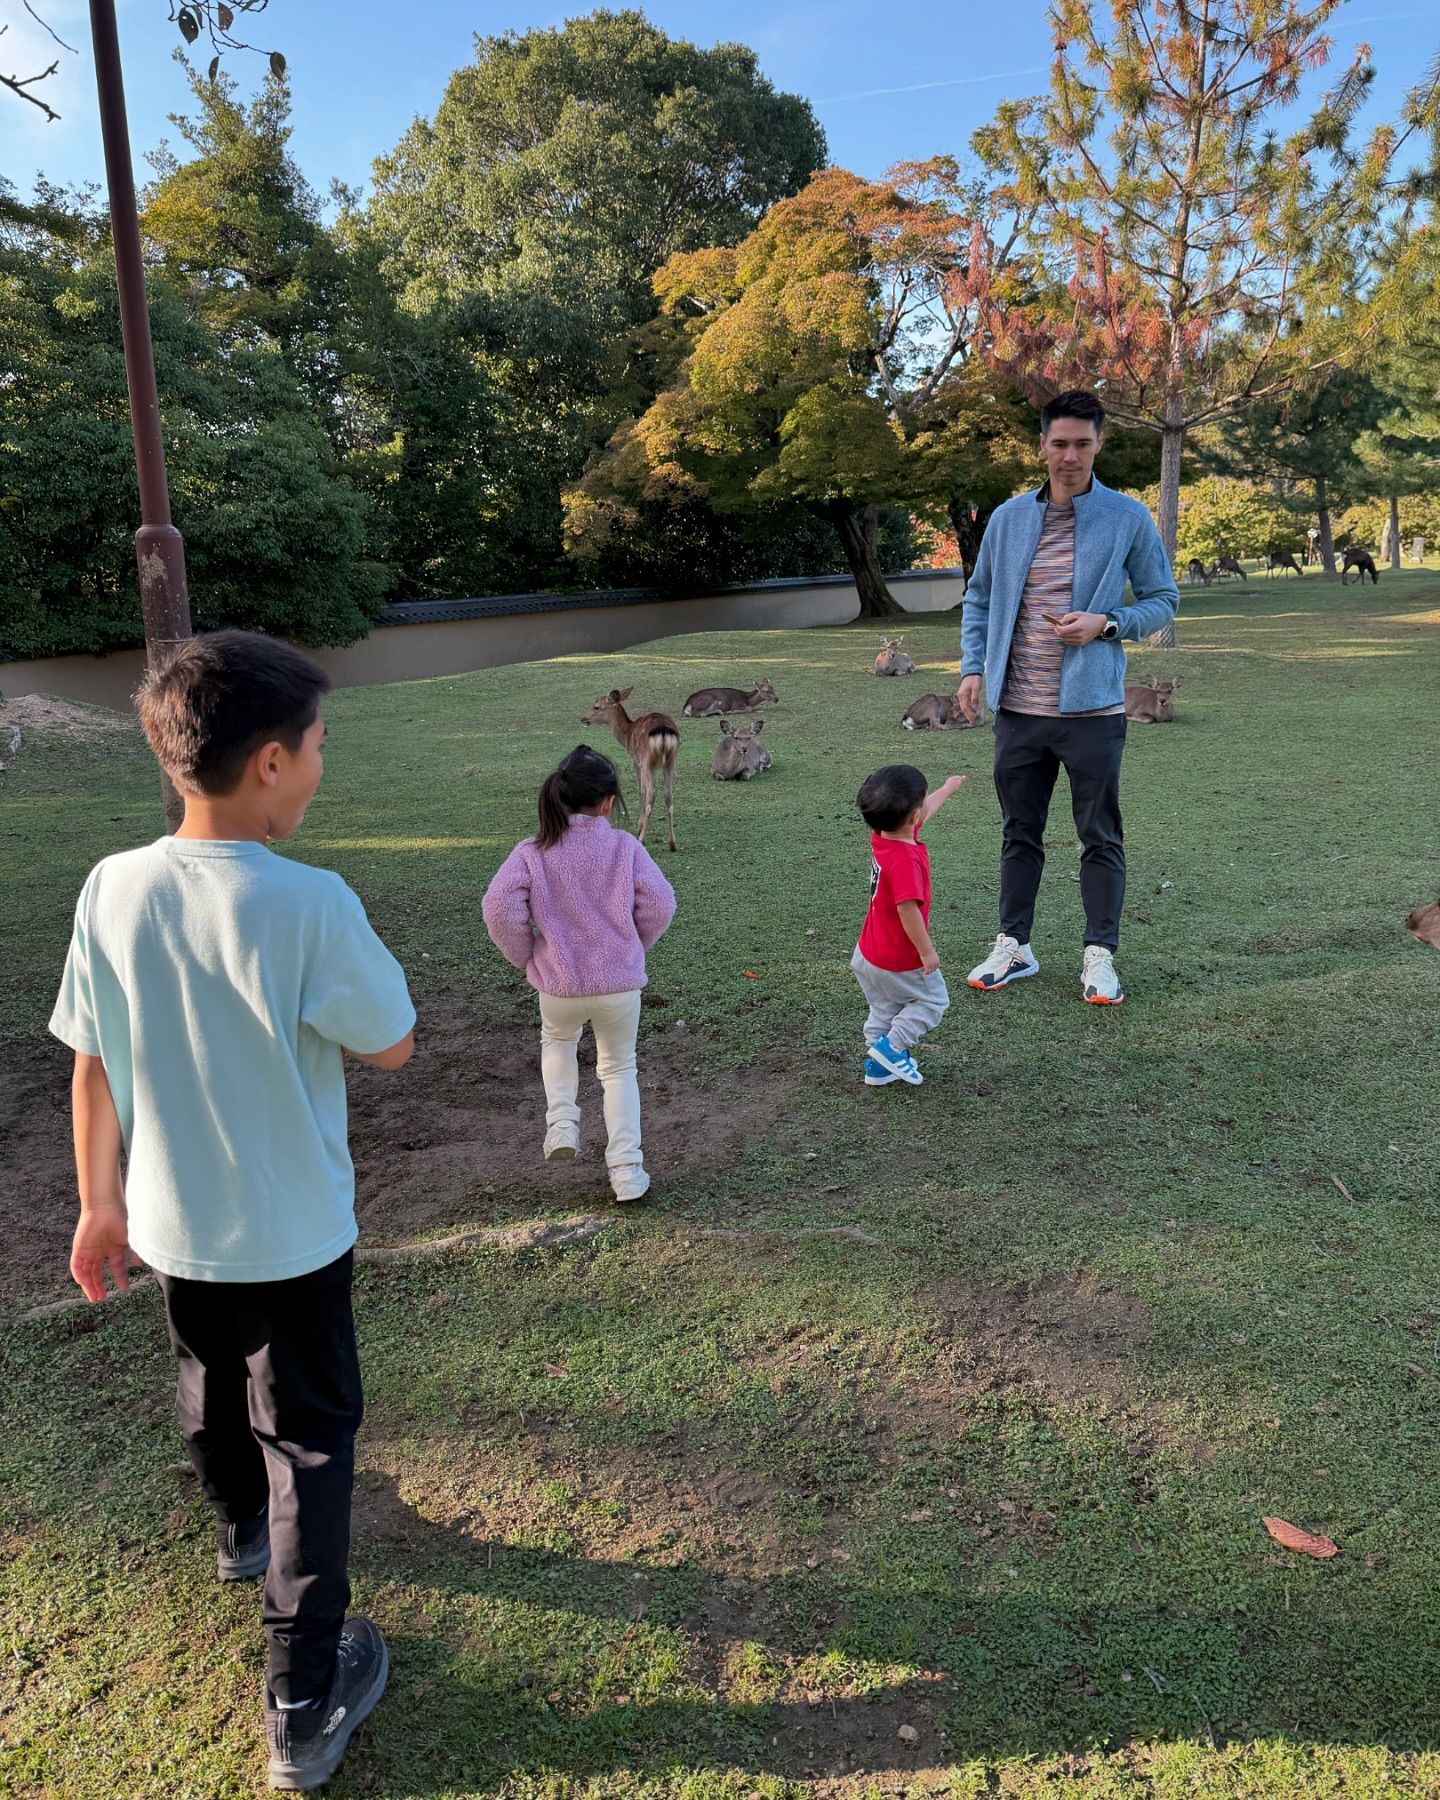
{"points": [[1029, 753], [269, 1399]]}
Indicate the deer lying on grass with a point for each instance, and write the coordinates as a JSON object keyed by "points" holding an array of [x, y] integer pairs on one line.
{"points": [[1424, 922], [1363, 563], [740, 756], [711, 703], [1281, 560], [892, 660], [1152, 704], [652, 740], [936, 712]]}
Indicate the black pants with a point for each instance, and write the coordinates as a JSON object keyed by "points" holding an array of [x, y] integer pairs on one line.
{"points": [[1029, 753], [269, 1399]]}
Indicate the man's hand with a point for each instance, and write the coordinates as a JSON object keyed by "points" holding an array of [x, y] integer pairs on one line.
{"points": [[970, 698], [101, 1237], [1080, 627]]}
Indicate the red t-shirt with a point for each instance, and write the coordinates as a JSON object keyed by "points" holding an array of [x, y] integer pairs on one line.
{"points": [[897, 872]]}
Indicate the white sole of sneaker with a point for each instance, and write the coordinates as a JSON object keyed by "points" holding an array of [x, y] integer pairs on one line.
{"points": [[880, 1080], [562, 1153], [994, 987]]}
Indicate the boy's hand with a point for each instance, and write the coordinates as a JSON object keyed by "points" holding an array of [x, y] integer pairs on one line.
{"points": [[101, 1237], [952, 785], [930, 963]]}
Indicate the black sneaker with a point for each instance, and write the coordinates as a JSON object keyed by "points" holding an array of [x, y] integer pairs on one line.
{"points": [[243, 1550], [308, 1742]]}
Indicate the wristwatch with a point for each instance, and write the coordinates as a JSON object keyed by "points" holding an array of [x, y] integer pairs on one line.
{"points": [[1111, 629]]}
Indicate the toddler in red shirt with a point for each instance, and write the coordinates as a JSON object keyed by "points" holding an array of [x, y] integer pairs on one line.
{"points": [[895, 962]]}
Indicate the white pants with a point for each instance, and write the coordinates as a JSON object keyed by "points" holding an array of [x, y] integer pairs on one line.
{"points": [[615, 1019]]}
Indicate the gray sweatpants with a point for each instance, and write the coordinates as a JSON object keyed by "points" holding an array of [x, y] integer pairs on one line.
{"points": [[904, 1004]]}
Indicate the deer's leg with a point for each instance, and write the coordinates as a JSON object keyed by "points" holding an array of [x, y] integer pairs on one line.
{"points": [[645, 775], [670, 796]]}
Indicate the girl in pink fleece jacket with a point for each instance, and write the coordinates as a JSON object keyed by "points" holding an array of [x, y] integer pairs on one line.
{"points": [[576, 907]]}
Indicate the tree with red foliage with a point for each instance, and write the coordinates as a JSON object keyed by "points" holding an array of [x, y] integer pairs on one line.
{"points": [[1201, 261]]}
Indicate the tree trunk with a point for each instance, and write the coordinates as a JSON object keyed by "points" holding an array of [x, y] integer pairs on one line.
{"points": [[1327, 534], [968, 531], [1390, 539], [1172, 441], [857, 527]]}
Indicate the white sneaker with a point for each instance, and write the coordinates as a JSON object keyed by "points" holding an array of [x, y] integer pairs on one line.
{"points": [[561, 1143], [630, 1182], [1010, 960], [1098, 981]]}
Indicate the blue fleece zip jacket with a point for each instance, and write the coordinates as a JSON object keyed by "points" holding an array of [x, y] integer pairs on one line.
{"points": [[1115, 542]]}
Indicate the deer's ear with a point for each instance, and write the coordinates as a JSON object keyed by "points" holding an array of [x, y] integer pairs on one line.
{"points": [[757, 728], [622, 693]]}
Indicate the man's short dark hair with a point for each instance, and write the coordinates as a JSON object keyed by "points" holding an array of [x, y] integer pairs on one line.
{"points": [[211, 705], [890, 795], [1077, 404]]}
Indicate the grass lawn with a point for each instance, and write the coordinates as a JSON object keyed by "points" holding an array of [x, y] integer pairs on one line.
{"points": [[907, 1440]]}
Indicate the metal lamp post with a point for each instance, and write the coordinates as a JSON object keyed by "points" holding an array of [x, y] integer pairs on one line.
{"points": [[159, 548]]}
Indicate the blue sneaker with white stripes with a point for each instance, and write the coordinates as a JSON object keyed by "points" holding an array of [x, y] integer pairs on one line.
{"points": [[899, 1063], [876, 1075]]}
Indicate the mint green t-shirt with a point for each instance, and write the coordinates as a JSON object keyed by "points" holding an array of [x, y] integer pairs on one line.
{"points": [[217, 982]]}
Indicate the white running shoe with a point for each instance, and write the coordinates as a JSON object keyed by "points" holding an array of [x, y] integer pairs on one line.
{"points": [[1010, 960], [630, 1182], [562, 1142], [1098, 981]]}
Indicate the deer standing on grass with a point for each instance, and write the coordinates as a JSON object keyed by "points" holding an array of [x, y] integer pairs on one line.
{"points": [[1197, 575], [652, 740], [892, 660], [1281, 560], [1227, 565], [1362, 562]]}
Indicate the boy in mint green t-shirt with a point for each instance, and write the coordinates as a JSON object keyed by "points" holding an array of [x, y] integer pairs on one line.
{"points": [[210, 993]]}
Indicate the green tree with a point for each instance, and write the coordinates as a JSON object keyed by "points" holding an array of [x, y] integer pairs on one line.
{"points": [[276, 537], [562, 169], [1220, 516], [831, 367], [1309, 437], [1187, 237]]}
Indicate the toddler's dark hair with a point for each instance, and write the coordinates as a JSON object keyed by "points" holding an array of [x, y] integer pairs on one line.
{"points": [[210, 706], [583, 780], [890, 795], [1076, 404]]}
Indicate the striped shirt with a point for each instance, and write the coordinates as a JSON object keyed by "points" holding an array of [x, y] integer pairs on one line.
{"points": [[1032, 675]]}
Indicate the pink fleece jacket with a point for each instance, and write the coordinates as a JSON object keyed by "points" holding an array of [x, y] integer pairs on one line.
{"points": [[579, 917]]}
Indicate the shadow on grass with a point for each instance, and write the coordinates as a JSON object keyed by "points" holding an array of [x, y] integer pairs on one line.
{"points": [[796, 1676]]}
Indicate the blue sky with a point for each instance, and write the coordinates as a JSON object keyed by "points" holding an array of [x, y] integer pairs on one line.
{"points": [[889, 79]]}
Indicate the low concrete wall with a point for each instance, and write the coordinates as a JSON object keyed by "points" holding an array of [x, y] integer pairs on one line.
{"points": [[450, 637]]}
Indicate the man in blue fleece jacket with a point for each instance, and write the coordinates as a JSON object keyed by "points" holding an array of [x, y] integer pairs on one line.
{"points": [[1045, 613]]}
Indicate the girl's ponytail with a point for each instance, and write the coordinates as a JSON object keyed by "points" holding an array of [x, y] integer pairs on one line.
{"points": [[579, 784]]}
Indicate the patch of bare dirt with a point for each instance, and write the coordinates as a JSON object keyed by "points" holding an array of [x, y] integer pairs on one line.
{"points": [[457, 1134], [1066, 1335], [41, 715], [453, 1140], [38, 1203]]}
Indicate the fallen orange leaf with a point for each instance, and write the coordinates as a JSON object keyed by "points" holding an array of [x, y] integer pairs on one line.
{"points": [[749, 974], [1293, 1538]]}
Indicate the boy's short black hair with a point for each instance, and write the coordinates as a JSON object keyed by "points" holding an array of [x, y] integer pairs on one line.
{"points": [[210, 706], [1077, 404], [890, 795]]}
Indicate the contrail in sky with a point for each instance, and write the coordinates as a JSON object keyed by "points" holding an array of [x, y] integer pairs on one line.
{"points": [[919, 87]]}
